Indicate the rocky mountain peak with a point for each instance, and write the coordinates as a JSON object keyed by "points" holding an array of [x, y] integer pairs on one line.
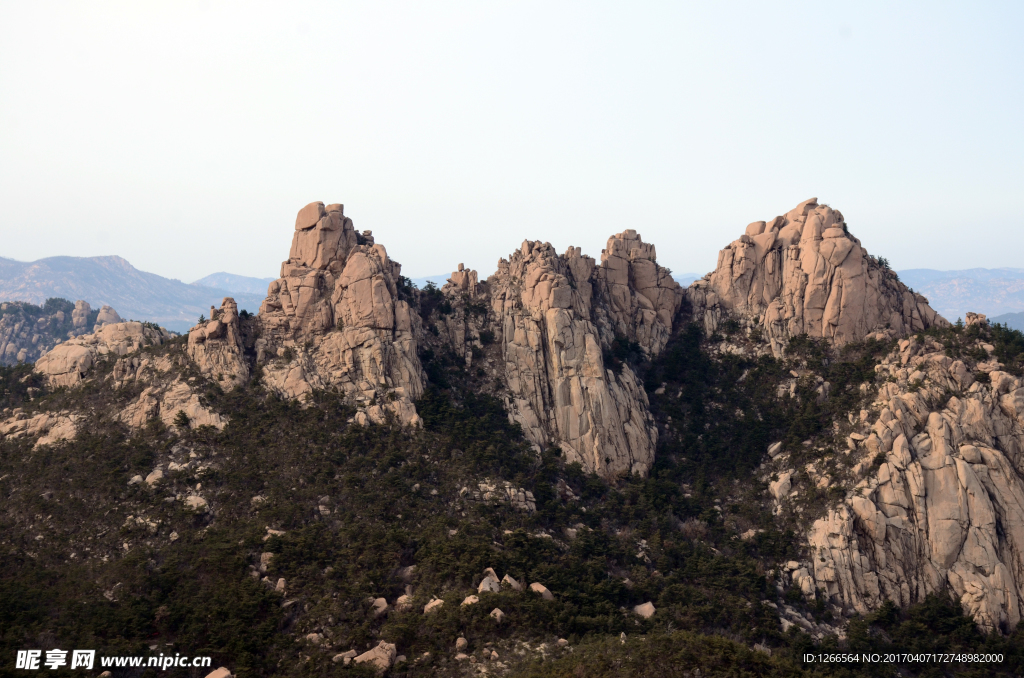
{"points": [[805, 273]]}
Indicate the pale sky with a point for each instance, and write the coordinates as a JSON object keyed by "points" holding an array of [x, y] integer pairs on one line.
{"points": [[184, 136]]}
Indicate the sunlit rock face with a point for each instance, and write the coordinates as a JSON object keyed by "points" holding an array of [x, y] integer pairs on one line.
{"points": [[334, 320], [945, 509], [804, 273], [554, 317]]}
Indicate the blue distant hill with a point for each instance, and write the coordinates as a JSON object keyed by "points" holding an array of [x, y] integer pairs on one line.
{"points": [[992, 291]]}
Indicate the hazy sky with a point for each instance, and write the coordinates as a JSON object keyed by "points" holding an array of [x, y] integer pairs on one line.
{"points": [[184, 136]]}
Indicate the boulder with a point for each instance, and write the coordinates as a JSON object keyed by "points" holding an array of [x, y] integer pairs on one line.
{"points": [[470, 600], [497, 615], [489, 584], [512, 583], [197, 504], [434, 605], [542, 590], [403, 603], [222, 672], [344, 657], [461, 644], [381, 657], [645, 610], [154, 477], [107, 316]]}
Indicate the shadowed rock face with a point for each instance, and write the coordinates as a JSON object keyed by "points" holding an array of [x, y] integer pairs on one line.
{"points": [[804, 273], [334, 319]]}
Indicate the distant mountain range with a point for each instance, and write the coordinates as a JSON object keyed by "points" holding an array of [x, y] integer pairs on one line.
{"points": [[996, 292], [238, 284], [135, 294]]}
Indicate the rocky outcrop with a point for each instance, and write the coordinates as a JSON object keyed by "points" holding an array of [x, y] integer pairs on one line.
{"points": [[28, 331], [803, 272], [50, 427], [164, 402], [215, 346], [67, 364], [554, 317], [941, 506], [335, 320]]}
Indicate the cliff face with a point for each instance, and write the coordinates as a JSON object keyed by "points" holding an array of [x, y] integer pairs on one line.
{"points": [[555, 317], [946, 506], [803, 273]]}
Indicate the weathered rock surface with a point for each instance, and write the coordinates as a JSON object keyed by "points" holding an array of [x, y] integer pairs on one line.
{"points": [[216, 348], [946, 507], [803, 272], [335, 319], [164, 401], [51, 427], [28, 331], [555, 316], [67, 364]]}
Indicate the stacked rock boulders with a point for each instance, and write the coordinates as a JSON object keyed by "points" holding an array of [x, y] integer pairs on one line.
{"points": [[215, 346], [335, 319], [67, 364]]}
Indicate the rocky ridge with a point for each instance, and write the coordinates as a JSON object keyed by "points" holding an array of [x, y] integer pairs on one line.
{"points": [[935, 461], [342, 317]]}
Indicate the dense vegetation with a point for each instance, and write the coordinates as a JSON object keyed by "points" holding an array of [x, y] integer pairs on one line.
{"points": [[88, 560]]}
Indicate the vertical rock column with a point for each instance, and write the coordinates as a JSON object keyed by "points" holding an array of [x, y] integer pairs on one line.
{"points": [[334, 320]]}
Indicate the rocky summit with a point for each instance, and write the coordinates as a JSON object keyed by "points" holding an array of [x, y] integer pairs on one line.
{"points": [[804, 273], [570, 466]]}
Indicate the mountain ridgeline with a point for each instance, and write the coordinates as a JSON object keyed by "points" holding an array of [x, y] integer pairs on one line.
{"points": [[575, 466]]}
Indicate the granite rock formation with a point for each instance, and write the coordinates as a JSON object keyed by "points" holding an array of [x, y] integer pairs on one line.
{"points": [[803, 272], [335, 320], [216, 347], [28, 331], [67, 364], [554, 317], [945, 509]]}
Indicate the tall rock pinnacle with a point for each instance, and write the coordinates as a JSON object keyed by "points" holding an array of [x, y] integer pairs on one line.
{"points": [[334, 319]]}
